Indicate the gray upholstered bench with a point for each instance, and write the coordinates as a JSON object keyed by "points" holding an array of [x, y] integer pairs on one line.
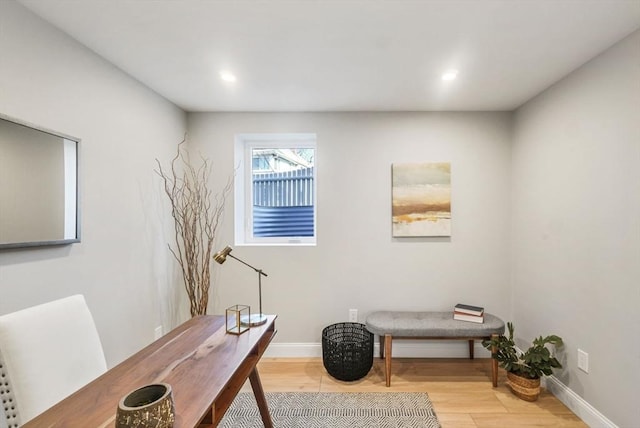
{"points": [[430, 325]]}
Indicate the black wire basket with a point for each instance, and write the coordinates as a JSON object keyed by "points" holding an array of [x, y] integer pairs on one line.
{"points": [[347, 350]]}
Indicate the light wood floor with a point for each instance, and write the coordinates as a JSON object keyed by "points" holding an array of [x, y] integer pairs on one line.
{"points": [[460, 390]]}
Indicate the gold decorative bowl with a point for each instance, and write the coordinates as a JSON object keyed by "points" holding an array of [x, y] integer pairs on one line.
{"points": [[148, 407]]}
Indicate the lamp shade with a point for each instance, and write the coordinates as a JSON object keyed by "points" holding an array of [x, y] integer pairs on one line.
{"points": [[221, 256]]}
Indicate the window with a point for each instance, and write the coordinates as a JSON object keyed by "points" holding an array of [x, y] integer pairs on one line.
{"points": [[275, 189]]}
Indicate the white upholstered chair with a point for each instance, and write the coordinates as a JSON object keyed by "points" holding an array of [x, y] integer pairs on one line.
{"points": [[47, 352]]}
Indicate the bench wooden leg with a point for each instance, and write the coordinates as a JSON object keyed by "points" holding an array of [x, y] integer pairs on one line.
{"points": [[494, 363], [387, 358], [471, 341], [381, 346]]}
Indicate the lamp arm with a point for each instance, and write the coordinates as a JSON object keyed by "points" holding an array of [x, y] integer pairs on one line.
{"points": [[247, 264]]}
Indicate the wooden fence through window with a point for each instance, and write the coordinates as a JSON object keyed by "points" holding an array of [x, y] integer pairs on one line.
{"points": [[283, 204]]}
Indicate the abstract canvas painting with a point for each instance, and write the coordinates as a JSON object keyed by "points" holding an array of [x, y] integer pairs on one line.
{"points": [[421, 199]]}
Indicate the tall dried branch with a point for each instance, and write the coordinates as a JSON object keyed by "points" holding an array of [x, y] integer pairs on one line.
{"points": [[196, 213]]}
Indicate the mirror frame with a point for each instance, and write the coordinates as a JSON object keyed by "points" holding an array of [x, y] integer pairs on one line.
{"points": [[63, 241]]}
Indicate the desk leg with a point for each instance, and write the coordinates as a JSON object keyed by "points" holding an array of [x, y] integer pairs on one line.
{"points": [[258, 392]]}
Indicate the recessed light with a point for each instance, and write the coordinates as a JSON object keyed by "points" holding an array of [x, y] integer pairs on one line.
{"points": [[227, 76], [450, 75]]}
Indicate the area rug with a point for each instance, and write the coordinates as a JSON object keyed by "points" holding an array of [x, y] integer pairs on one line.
{"points": [[335, 410]]}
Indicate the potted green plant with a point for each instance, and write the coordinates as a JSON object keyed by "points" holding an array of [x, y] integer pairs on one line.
{"points": [[524, 369]]}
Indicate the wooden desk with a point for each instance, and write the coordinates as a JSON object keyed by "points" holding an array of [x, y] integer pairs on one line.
{"points": [[205, 366]]}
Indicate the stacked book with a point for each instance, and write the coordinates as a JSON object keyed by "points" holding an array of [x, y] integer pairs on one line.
{"points": [[469, 313]]}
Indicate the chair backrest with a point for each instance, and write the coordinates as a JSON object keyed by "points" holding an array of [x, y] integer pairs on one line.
{"points": [[47, 352]]}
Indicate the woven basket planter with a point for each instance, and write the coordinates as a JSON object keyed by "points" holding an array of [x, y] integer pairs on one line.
{"points": [[347, 350], [524, 388], [148, 407]]}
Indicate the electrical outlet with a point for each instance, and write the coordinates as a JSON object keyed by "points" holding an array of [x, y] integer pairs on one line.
{"points": [[157, 334], [583, 361], [353, 315]]}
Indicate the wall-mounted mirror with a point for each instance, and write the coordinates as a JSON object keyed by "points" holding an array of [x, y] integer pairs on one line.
{"points": [[38, 186]]}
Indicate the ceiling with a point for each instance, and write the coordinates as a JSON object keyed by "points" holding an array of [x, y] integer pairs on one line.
{"points": [[345, 55]]}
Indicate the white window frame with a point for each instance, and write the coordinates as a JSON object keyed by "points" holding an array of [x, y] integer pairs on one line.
{"points": [[243, 185]]}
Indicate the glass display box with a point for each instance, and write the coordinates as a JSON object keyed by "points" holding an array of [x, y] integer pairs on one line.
{"points": [[236, 319]]}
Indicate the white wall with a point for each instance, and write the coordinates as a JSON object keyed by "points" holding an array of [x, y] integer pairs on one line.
{"points": [[357, 263], [576, 226], [122, 265], [570, 183]]}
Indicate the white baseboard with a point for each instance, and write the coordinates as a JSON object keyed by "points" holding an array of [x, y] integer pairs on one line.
{"points": [[401, 349], [577, 404], [293, 350], [451, 349]]}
